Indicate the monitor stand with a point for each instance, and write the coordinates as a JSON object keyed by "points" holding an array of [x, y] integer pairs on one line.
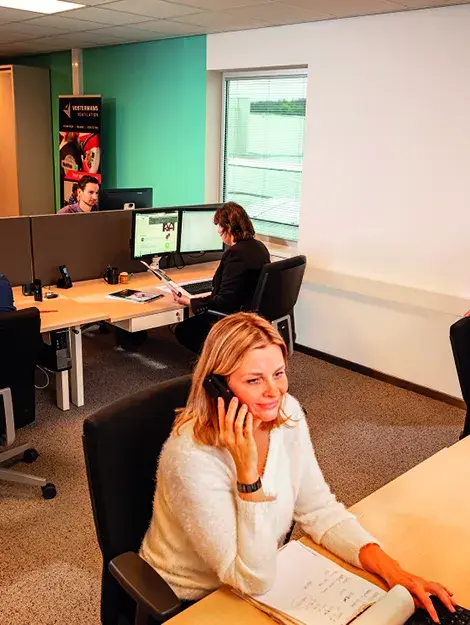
{"points": [[155, 264]]}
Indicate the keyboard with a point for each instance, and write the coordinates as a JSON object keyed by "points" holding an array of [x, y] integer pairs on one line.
{"points": [[196, 288], [461, 616]]}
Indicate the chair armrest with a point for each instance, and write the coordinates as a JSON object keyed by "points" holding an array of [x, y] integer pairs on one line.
{"points": [[217, 313], [148, 589]]}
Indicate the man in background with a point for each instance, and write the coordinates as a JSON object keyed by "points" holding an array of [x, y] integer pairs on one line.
{"points": [[88, 189]]}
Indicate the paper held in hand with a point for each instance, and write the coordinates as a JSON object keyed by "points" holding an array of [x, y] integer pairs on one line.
{"points": [[161, 275], [312, 590]]}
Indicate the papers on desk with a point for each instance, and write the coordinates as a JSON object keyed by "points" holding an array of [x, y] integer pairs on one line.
{"points": [[312, 590]]}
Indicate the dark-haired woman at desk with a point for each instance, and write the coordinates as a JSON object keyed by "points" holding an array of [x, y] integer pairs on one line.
{"points": [[234, 281]]}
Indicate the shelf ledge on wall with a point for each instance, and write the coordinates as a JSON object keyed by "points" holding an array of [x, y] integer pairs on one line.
{"points": [[394, 293]]}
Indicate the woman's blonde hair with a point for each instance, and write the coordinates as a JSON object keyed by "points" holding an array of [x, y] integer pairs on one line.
{"points": [[228, 341]]}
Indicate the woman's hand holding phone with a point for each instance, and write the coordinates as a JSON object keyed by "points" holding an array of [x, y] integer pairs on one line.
{"points": [[236, 434]]}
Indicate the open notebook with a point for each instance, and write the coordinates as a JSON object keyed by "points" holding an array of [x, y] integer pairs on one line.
{"points": [[312, 590]]}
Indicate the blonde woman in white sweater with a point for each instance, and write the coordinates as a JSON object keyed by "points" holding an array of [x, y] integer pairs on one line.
{"points": [[230, 482]]}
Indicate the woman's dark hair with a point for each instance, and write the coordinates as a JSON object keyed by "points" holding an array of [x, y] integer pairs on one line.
{"points": [[234, 219]]}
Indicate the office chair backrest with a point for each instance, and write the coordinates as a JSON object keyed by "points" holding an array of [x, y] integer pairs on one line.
{"points": [[20, 344], [278, 287], [460, 342], [122, 443]]}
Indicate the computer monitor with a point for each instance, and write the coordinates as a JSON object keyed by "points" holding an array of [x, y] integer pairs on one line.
{"points": [[117, 199], [154, 232], [198, 232]]}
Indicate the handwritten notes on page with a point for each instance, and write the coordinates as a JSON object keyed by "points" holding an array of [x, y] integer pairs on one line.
{"points": [[394, 609], [313, 590]]}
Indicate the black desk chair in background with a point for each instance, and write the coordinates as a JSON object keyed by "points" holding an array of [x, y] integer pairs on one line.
{"points": [[276, 295], [20, 345], [460, 342], [122, 443]]}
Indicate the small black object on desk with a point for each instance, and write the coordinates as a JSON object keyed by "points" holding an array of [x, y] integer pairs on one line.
{"points": [[65, 281], [27, 289], [111, 275], [37, 290]]}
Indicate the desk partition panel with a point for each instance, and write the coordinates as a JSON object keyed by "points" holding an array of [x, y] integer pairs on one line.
{"points": [[15, 249], [85, 242]]}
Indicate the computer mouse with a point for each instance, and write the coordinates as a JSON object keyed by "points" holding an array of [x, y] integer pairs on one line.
{"points": [[51, 295]]}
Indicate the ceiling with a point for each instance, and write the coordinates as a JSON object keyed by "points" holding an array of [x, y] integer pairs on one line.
{"points": [[112, 22]]}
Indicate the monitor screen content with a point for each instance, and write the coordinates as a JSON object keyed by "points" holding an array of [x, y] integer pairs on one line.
{"points": [[198, 232], [155, 233], [118, 199]]}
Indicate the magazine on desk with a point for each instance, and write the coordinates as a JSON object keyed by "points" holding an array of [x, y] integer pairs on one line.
{"points": [[138, 297], [312, 590]]}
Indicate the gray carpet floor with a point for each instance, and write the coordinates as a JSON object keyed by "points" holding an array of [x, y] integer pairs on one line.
{"points": [[365, 433]]}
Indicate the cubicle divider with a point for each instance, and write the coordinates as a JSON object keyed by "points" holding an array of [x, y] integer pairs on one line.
{"points": [[34, 247], [85, 242], [15, 249]]}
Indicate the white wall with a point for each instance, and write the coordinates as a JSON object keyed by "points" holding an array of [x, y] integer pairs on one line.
{"points": [[385, 189]]}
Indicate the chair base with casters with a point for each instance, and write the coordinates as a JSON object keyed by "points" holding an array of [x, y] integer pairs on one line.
{"points": [[29, 454]]}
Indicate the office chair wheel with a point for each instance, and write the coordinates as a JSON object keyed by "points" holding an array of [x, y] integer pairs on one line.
{"points": [[49, 491], [30, 455]]}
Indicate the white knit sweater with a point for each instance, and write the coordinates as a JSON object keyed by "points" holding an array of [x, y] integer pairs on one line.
{"points": [[203, 535]]}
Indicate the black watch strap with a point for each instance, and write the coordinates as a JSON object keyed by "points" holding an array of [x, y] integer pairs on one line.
{"points": [[249, 488]]}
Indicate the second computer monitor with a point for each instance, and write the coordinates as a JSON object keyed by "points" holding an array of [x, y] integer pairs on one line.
{"points": [[198, 232], [155, 232], [118, 199]]}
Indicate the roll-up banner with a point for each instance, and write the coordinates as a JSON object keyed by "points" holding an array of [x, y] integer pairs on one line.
{"points": [[79, 140]]}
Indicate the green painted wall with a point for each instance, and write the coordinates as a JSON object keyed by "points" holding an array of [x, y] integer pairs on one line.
{"points": [[60, 66], [154, 102]]}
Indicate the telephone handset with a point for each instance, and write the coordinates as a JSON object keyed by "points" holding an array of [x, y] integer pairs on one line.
{"points": [[217, 386]]}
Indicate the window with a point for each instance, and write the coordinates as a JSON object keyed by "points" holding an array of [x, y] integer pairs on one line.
{"points": [[263, 134]]}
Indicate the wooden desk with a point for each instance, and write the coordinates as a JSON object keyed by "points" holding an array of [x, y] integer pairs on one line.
{"points": [[422, 518], [135, 317], [87, 302]]}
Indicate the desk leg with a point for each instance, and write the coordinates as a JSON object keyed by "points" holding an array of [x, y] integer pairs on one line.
{"points": [[62, 390], [76, 373]]}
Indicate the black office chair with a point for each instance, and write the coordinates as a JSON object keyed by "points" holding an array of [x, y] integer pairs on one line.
{"points": [[276, 295], [20, 345], [460, 342], [122, 443]]}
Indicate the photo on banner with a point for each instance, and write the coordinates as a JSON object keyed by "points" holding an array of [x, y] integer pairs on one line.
{"points": [[79, 140]]}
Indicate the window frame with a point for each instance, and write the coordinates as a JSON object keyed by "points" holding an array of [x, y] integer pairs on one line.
{"points": [[288, 244]]}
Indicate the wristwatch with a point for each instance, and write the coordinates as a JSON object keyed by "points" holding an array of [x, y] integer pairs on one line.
{"points": [[249, 488]]}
